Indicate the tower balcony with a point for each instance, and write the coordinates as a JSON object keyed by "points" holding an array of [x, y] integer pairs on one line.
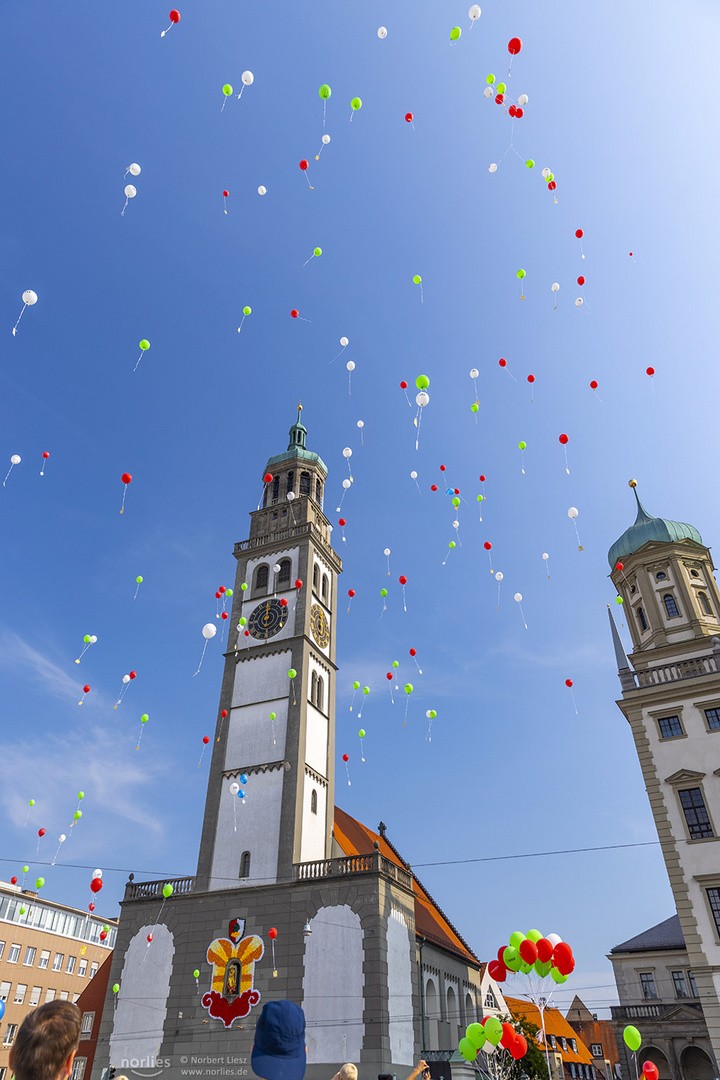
{"points": [[321, 869], [693, 667]]}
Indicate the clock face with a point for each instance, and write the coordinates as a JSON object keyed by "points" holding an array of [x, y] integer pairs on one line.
{"points": [[267, 619], [319, 626]]}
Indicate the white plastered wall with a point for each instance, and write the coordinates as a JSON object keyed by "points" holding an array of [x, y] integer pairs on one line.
{"points": [[250, 824], [312, 845], [333, 986], [141, 1006], [400, 1007]]}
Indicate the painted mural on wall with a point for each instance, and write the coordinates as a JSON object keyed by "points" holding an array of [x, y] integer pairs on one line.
{"points": [[233, 962]]}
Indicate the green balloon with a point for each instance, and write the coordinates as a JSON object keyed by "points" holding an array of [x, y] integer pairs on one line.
{"points": [[417, 280], [501, 88], [549, 177], [522, 445], [144, 344], [490, 79], [557, 977], [356, 104], [228, 592], [409, 688], [77, 815], [356, 685], [396, 663], [116, 988], [455, 33], [479, 498], [517, 936], [272, 715], [468, 1051], [530, 163], [144, 718], [525, 967], [361, 732], [511, 958], [244, 586], [242, 620], [139, 579], [520, 275], [325, 91], [292, 673], [106, 928], [23, 910], [86, 639], [31, 802], [167, 890], [422, 382], [81, 794], [383, 592], [632, 1037], [227, 90], [39, 883], [542, 969], [196, 973], [366, 690], [247, 310], [451, 544], [533, 935], [317, 251], [493, 1030], [618, 599], [474, 407], [431, 716], [456, 501], [26, 869]]}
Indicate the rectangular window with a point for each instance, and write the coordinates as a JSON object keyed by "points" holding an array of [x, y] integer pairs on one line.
{"points": [[10, 1033], [4, 990], [696, 815], [72, 961], [678, 978], [713, 896], [44, 958], [713, 718], [78, 1068], [3, 1072], [551, 1040], [2, 949], [88, 1020], [93, 969], [75, 998], [563, 1042], [64, 995], [670, 726], [35, 995], [49, 995], [20, 992], [30, 954], [573, 1045], [693, 987], [647, 983], [596, 1050], [82, 968], [14, 954], [58, 961], [573, 1071]]}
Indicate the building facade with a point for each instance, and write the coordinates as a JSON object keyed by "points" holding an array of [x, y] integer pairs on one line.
{"points": [[597, 1035], [91, 1003], [47, 951], [659, 995], [292, 898], [671, 698]]}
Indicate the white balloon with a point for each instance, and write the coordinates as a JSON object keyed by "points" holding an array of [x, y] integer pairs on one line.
{"points": [[62, 838], [545, 555], [134, 169], [93, 639], [488, 1048], [456, 524], [277, 568], [130, 191], [262, 190], [518, 597], [350, 365], [290, 496], [248, 78], [361, 423], [428, 713], [555, 287], [15, 459], [475, 12], [554, 939], [579, 302], [488, 92], [422, 398], [209, 630], [97, 874], [573, 512], [474, 373], [325, 140], [234, 788], [499, 576], [126, 678], [382, 32], [545, 173], [347, 452], [346, 483], [344, 342], [386, 551], [523, 100], [413, 475], [492, 168], [29, 297]]}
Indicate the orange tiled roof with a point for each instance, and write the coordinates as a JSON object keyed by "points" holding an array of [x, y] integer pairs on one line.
{"points": [[555, 1024], [430, 922]]}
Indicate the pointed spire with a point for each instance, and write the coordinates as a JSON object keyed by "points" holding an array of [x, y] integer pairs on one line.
{"points": [[622, 660], [298, 432], [642, 514]]}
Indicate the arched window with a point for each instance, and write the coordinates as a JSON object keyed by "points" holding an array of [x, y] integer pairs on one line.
{"points": [[319, 491], [324, 586], [316, 577], [285, 568], [641, 619], [290, 482], [313, 801], [305, 483], [661, 576], [469, 1009], [670, 606], [276, 488], [261, 578], [705, 603], [320, 694], [244, 865]]}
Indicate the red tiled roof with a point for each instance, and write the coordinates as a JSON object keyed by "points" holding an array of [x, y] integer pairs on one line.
{"points": [[555, 1024], [356, 839]]}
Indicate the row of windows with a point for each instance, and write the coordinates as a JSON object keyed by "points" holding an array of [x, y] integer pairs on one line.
{"points": [[30, 953], [21, 988], [289, 486], [672, 609], [59, 922], [553, 1043], [320, 589], [670, 726], [317, 691], [585, 1071], [11, 1030], [683, 981], [262, 576]]}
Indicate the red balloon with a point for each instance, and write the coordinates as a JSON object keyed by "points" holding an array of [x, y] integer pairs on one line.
{"points": [[351, 593], [126, 478], [502, 363], [103, 935], [519, 1047], [224, 713], [581, 280], [498, 972], [268, 477], [567, 967], [96, 884], [174, 15], [294, 313], [298, 583], [133, 674], [481, 479], [342, 522], [579, 233], [528, 951], [224, 614], [630, 254], [206, 739], [531, 378], [346, 757], [91, 907], [221, 589], [593, 385], [272, 932], [650, 1071], [442, 468], [402, 579], [226, 193], [413, 652], [217, 595], [561, 953], [389, 676], [247, 633], [544, 950], [283, 603], [403, 385], [620, 566], [409, 117], [552, 185], [86, 688], [512, 110], [508, 1036], [45, 454], [487, 545], [650, 371], [13, 881], [433, 487], [149, 938], [568, 682], [41, 832], [519, 113], [563, 439], [514, 46], [456, 490], [499, 99], [303, 164]]}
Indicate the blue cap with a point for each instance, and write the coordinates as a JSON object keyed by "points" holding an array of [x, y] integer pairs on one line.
{"points": [[279, 1049]]}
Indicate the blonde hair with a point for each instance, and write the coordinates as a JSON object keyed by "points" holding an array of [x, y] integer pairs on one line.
{"points": [[348, 1072]]}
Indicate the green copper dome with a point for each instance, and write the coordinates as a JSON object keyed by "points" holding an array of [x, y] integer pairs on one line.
{"points": [[296, 448], [647, 528]]}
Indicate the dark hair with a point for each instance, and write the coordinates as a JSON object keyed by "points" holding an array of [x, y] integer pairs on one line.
{"points": [[46, 1039]]}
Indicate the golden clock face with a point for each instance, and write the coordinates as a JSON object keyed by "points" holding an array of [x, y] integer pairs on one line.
{"points": [[319, 626], [267, 619]]}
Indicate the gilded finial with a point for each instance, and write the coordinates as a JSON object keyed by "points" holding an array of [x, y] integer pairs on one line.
{"points": [[632, 483]]}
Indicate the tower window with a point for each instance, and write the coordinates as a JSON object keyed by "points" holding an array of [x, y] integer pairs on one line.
{"points": [[244, 865], [670, 726], [661, 576], [261, 578], [694, 573], [316, 577], [305, 483], [678, 978], [696, 815], [313, 687], [713, 719], [647, 984], [713, 896], [670, 606], [313, 801], [324, 586], [319, 491], [641, 619], [320, 694], [705, 603], [290, 482], [285, 567], [276, 488]]}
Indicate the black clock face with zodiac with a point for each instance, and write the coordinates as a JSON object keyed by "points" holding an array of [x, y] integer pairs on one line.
{"points": [[267, 619], [319, 626]]}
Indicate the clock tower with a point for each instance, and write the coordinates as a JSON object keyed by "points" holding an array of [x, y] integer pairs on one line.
{"points": [[275, 728]]}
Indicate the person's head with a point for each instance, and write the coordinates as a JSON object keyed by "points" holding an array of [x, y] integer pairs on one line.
{"points": [[348, 1072], [279, 1051], [46, 1042]]}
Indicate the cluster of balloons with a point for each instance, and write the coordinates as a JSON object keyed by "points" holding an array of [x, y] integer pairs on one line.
{"points": [[531, 952], [235, 788], [490, 1034]]}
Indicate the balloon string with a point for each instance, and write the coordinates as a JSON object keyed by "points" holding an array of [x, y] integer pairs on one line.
{"points": [[18, 319], [307, 261], [7, 474], [241, 91], [324, 113], [138, 361], [523, 615], [122, 507], [362, 750], [225, 103], [349, 383], [165, 31], [137, 591], [201, 658], [407, 703], [391, 695], [580, 547], [417, 665], [567, 470], [404, 604], [122, 212], [417, 486], [339, 354], [241, 321]]}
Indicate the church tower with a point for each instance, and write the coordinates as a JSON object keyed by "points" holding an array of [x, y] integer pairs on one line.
{"points": [[671, 698], [278, 731]]}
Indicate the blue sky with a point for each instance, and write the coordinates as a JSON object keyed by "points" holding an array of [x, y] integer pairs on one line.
{"points": [[622, 107]]}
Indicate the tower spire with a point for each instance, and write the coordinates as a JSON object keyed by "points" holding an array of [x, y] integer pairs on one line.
{"points": [[625, 673]]}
